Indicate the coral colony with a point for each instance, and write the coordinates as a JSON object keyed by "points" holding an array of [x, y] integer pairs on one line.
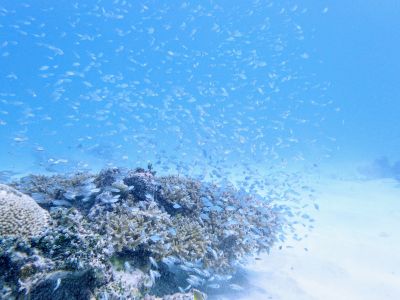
{"points": [[127, 234]]}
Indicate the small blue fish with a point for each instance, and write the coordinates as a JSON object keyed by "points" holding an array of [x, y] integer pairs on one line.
{"points": [[153, 262], [155, 238], [177, 206], [236, 287]]}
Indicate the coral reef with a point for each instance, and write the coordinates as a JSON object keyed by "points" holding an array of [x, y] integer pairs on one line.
{"points": [[20, 215], [129, 234], [65, 285]]}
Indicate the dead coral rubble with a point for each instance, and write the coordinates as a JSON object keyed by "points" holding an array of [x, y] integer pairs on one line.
{"points": [[130, 234]]}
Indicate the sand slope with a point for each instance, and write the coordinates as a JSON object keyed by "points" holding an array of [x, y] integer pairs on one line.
{"points": [[353, 252]]}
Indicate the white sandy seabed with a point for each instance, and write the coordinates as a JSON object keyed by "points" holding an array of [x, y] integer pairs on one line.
{"points": [[353, 251]]}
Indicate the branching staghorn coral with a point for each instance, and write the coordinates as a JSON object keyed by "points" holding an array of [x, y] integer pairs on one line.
{"points": [[178, 233], [130, 227]]}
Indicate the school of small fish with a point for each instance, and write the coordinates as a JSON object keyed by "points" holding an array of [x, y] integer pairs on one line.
{"points": [[194, 87], [223, 92]]}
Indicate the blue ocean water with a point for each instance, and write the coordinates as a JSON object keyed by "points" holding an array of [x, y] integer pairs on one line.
{"points": [[86, 84], [120, 83], [201, 88]]}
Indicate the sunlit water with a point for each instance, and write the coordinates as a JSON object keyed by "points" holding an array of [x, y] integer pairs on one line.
{"points": [[259, 93]]}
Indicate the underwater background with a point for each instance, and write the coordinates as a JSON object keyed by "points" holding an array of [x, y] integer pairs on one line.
{"points": [[258, 93]]}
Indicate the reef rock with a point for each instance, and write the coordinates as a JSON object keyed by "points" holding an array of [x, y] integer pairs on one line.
{"points": [[65, 286]]}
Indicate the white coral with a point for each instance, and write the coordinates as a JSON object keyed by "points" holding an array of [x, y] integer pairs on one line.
{"points": [[20, 215]]}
